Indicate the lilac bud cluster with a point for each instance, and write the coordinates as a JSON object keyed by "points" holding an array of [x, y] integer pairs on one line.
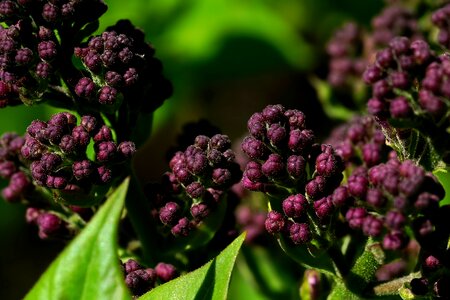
{"points": [[286, 162], [30, 53], [121, 64], [440, 19], [360, 141], [346, 57], [10, 168], [140, 279], [57, 152], [394, 20], [50, 224], [200, 176], [397, 68], [387, 198], [251, 221]]}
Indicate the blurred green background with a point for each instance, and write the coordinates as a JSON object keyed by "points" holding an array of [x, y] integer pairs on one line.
{"points": [[226, 59]]}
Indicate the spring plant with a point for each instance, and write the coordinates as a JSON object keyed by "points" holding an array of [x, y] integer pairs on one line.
{"points": [[359, 214]]}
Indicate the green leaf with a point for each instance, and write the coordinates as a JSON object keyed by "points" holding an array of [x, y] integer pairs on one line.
{"points": [[89, 267], [208, 282]]}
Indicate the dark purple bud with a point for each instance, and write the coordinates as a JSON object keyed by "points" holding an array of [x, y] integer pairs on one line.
{"points": [[50, 12], [431, 103], [316, 188], [139, 282], [399, 108], [384, 58], [47, 50], [202, 142], [7, 169], [357, 185], [421, 51], [426, 202], [169, 213], [45, 33], [108, 95], [221, 176], [276, 134], [355, 217], [103, 134], [200, 211], [375, 197], [113, 79], [131, 265], [251, 185], [395, 240], [431, 264], [105, 151], [214, 156], [323, 208], [195, 190], [32, 149], [256, 125], [220, 142], [399, 45], [296, 119], [372, 74], [32, 214], [43, 70], [300, 140], [372, 226], [299, 233], [80, 136], [126, 149], [85, 87], [36, 129], [130, 76], [166, 272], [67, 144], [395, 220], [82, 169], [125, 55], [341, 196], [50, 161], [89, 123], [109, 58], [182, 174], [104, 174], [92, 61], [273, 167], [296, 166], [399, 80], [375, 106], [53, 133], [273, 113], [381, 89], [182, 228], [49, 225], [24, 56], [56, 182], [274, 222], [254, 148], [295, 206], [328, 164]]}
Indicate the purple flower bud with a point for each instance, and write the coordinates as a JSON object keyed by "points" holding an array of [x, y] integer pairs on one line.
{"points": [[126, 149], [196, 161], [85, 87], [47, 50], [49, 225], [372, 74], [395, 220], [67, 144], [251, 185], [328, 164], [200, 211], [254, 148], [131, 265], [36, 129], [139, 282], [256, 126], [7, 169], [169, 213], [103, 134], [299, 233], [106, 151], [385, 58], [296, 119], [107, 95], [426, 202], [375, 197], [399, 108], [89, 123], [202, 142], [431, 264], [300, 140], [357, 185], [355, 217], [182, 228], [395, 240], [296, 166], [316, 188], [273, 113], [323, 208], [372, 226], [104, 174], [295, 206], [376, 107], [32, 149], [92, 61], [341, 196], [23, 56], [130, 76], [276, 134], [220, 142], [421, 51], [50, 12], [182, 174], [32, 214], [49, 161], [274, 222], [80, 136], [273, 167], [195, 190], [166, 272], [221, 176], [82, 169], [56, 182]]}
